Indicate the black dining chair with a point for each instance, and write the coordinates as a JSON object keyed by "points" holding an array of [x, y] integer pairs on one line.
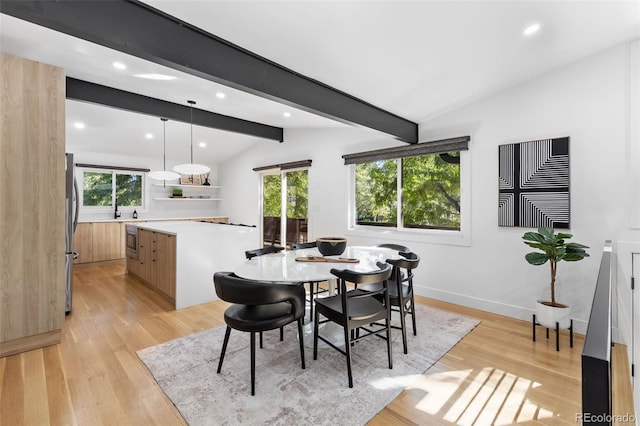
{"points": [[314, 286], [257, 307], [250, 254], [356, 311], [397, 247], [401, 291]]}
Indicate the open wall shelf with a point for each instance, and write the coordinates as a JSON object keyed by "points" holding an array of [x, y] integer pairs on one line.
{"points": [[185, 199], [177, 185]]}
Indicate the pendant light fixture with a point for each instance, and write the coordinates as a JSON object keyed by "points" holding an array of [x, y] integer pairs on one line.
{"points": [[191, 168], [164, 174]]}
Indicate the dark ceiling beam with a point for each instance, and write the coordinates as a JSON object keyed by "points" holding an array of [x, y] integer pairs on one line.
{"points": [[140, 30], [79, 90]]}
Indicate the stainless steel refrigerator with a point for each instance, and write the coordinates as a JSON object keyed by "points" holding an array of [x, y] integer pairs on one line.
{"points": [[71, 214]]}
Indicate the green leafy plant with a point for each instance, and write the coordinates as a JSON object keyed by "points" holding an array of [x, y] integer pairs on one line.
{"points": [[553, 248]]}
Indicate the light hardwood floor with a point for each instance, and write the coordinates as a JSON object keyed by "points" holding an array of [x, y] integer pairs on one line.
{"points": [[495, 375]]}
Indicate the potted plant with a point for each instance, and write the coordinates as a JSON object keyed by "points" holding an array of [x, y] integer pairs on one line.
{"points": [[553, 248]]}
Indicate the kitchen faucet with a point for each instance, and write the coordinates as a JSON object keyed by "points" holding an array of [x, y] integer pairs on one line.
{"points": [[116, 214]]}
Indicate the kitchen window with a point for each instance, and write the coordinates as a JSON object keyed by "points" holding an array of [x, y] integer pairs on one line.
{"points": [[102, 188]]}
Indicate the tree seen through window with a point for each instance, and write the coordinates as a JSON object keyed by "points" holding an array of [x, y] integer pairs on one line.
{"points": [[430, 196]]}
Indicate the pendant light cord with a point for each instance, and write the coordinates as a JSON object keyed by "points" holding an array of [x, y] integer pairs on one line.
{"points": [[164, 148], [192, 103]]}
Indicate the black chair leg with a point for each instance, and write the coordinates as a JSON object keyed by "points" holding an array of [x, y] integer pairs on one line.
{"points": [[311, 292], [253, 363], [403, 324], [347, 347], [389, 352], [224, 347], [301, 340], [413, 316], [315, 335], [261, 340], [281, 334]]}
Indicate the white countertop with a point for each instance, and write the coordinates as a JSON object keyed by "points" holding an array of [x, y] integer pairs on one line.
{"points": [[151, 219], [182, 227]]}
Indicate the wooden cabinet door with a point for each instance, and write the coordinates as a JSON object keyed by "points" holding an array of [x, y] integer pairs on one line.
{"points": [[123, 241], [133, 266], [32, 185], [165, 264], [145, 244], [106, 241], [83, 243]]}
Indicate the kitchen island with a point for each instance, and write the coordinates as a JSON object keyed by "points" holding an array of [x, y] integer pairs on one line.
{"points": [[178, 259]]}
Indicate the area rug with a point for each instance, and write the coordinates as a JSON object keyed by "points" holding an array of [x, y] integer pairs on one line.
{"points": [[185, 369]]}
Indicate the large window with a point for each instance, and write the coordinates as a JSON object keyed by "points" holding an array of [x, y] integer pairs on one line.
{"points": [[101, 188], [413, 192]]}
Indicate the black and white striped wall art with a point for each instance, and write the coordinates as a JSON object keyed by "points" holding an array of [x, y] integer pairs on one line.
{"points": [[534, 184]]}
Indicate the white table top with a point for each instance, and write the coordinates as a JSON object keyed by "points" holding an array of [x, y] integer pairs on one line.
{"points": [[284, 267]]}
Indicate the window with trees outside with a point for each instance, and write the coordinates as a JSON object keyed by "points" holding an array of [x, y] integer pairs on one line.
{"points": [[420, 191], [102, 188]]}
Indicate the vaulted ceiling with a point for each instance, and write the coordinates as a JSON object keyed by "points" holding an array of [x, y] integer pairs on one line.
{"points": [[412, 59]]}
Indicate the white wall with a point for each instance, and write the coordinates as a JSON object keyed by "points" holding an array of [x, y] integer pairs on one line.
{"points": [[587, 101], [153, 208]]}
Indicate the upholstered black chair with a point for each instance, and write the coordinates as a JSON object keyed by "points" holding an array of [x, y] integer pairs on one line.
{"points": [[356, 311], [257, 307], [250, 254], [401, 291], [314, 286]]}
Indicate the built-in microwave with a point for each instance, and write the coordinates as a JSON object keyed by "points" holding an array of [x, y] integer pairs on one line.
{"points": [[131, 235]]}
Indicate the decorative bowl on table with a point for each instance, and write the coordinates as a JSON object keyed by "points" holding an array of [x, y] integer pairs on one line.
{"points": [[331, 246]]}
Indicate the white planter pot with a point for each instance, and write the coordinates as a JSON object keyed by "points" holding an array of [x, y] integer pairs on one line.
{"points": [[547, 316]]}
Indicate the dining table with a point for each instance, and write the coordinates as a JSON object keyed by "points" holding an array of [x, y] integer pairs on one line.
{"points": [[305, 265]]}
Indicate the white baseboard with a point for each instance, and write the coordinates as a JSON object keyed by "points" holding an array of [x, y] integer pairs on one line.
{"points": [[517, 312]]}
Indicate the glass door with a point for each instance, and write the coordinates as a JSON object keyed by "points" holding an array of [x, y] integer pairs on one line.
{"points": [[285, 208], [297, 203], [271, 210]]}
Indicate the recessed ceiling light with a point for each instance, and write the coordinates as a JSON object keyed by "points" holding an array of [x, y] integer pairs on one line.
{"points": [[202, 144], [148, 135], [286, 114], [220, 95], [78, 125], [531, 30], [119, 66], [156, 76]]}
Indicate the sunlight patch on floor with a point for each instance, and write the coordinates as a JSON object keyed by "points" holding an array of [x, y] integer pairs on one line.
{"points": [[489, 396], [441, 387], [394, 382]]}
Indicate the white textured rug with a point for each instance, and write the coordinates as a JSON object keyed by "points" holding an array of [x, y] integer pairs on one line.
{"points": [[185, 369]]}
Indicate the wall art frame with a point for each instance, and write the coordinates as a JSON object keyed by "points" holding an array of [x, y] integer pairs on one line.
{"points": [[534, 184]]}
